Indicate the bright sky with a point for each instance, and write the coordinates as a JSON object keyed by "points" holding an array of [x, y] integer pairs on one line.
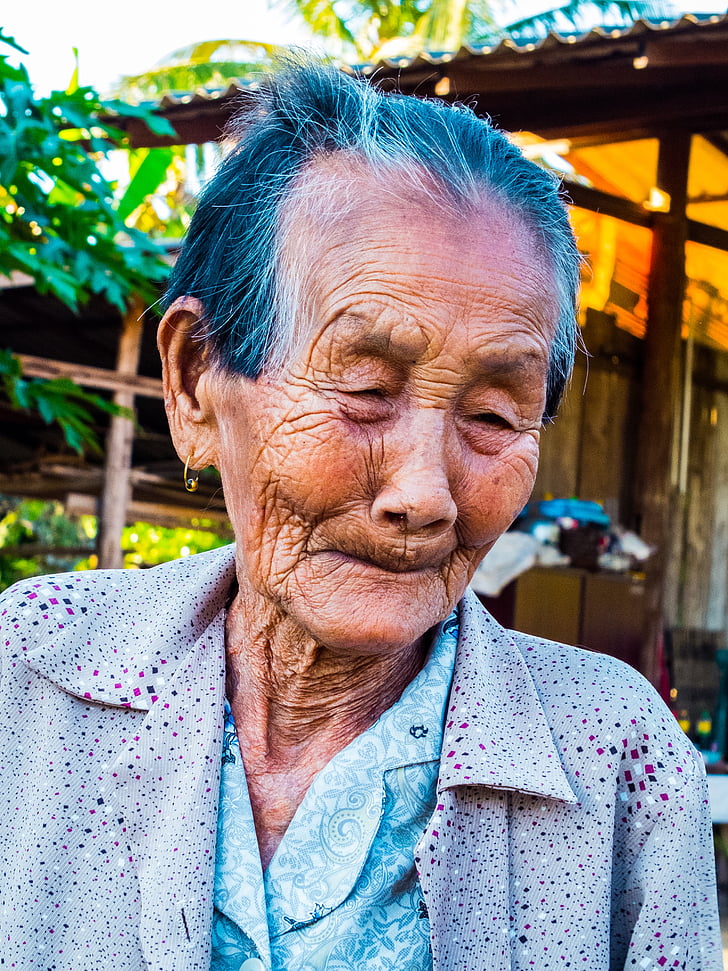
{"points": [[130, 36]]}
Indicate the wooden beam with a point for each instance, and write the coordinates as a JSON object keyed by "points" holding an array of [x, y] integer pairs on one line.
{"points": [[708, 235], [61, 477], [655, 497], [608, 205], [15, 279], [163, 514], [707, 198], [29, 550], [642, 113], [91, 377], [595, 200], [116, 491]]}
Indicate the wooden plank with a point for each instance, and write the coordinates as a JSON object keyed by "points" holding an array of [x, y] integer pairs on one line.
{"points": [[91, 377], [589, 452], [160, 513], [160, 500], [15, 279], [642, 114], [606, 460], [702, 532], [595, 200], [116, 491], [195, 124], [708, 235], [558, 469], [654, 497], [717, 616], [29, 550]]}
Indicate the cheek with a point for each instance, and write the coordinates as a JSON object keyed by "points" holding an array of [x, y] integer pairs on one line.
{"points": [[496, 491], [285, 479]]}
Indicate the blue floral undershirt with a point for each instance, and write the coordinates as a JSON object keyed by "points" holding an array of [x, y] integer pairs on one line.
{"points": [[341, 891]]}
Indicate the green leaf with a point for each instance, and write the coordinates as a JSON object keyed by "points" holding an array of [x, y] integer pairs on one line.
{"points": [[62, 194], [73, 84], [154, 122], [46, 409], [58, 400], [11, 42], [63, 285], [20, 394], [146, 180], [60, 224]]}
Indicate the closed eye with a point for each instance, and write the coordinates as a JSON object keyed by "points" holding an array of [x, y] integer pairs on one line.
{"points": [[492, 419], [367, 393], [367, 405]]}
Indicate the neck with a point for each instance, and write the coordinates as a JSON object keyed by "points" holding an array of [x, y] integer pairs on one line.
{"points": [[296, 699], [296, 704]]}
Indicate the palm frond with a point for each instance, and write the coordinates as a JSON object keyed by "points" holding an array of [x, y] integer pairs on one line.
{"points": [[581, 16], [207, 64], [324, 20], [226, 49], [445, 24], [374, 29]]}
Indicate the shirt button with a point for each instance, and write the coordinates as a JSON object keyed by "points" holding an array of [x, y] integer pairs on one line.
{"points": [[252, 964]]}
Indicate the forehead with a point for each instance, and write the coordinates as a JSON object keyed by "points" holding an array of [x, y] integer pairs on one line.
{"points": [[397, 245]]}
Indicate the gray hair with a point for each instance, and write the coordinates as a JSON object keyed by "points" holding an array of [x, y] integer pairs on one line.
{"points": [[231, 258]]}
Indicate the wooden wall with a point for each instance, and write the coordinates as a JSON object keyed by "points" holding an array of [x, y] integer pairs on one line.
{"points": [[590, 452], [702, 583]]}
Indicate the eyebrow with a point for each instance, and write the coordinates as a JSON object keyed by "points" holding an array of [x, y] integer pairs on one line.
{"points": [[381, 345], [494, 361], [507, 364]]}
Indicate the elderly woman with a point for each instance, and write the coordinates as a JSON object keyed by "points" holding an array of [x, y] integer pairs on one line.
{"points": [[316, 750]]}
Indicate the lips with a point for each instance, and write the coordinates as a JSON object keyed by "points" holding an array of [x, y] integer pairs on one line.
{"points": [[392, 561]]}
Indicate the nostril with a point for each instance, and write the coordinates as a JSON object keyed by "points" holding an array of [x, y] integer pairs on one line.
{"points": [[414, 509], [398, 519]]}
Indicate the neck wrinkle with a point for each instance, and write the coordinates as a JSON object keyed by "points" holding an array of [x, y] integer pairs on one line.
{"points": [[292, 698]]}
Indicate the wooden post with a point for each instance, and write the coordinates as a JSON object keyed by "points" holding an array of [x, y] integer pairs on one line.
{"points": [[655, 489], [116, 491]]}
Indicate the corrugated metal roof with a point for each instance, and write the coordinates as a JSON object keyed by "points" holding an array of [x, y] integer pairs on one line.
{"points": [[234, 87], [507, 50], [511, 48]]}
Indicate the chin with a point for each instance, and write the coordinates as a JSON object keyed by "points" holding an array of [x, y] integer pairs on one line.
{"points": [[374, 621]]}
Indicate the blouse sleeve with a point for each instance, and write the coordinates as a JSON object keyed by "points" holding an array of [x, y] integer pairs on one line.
{"points": [[664, 905]]}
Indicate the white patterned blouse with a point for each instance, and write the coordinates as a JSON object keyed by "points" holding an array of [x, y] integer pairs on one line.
{"points": [[342, 890], [571, 827]]}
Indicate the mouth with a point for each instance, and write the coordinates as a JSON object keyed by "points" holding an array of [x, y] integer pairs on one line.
{"points": [[397, 562]]}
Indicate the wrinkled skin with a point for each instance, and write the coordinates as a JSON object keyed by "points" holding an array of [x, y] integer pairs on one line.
{"points": [[366, 480]]}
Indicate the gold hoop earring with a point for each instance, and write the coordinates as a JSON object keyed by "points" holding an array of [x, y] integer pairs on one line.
{"points": [[191, 479]]}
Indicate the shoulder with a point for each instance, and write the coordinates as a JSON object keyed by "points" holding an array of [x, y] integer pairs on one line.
{"points": [[103, 608], [566, 676], [605, 718], [32, 607], [96, 581]]}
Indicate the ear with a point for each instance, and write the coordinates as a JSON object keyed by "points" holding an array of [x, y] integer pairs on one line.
{"points": [[186, 379]]}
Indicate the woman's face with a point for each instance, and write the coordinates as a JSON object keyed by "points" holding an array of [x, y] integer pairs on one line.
{"points": [[367, 480]]}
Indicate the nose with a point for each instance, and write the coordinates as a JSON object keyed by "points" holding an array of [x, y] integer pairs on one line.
{"points": [[414, 491]]}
